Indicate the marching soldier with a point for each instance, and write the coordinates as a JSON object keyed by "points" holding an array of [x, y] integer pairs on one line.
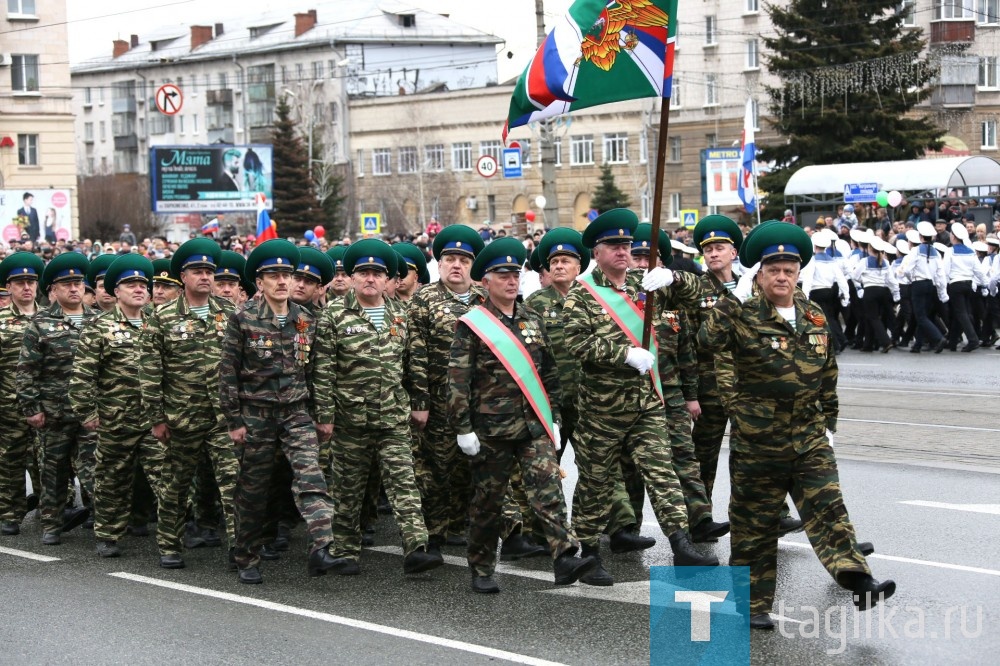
{"points": [[315, 270], [359, 392], [43, 371], [341, 283], [166, 285], [501, 375]]}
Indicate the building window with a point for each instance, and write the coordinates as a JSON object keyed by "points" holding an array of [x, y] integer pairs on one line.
{"points": [[907, 10], [27, 148], [492, 148], [223, 79], [581, 149], [158, 124], [180, 124], [676, 96], [319, 113], [710, 30], [461, 156], [317, 70], [952, 9], [751, 6], [360, 162], [675, 148], [616, 148], [643, 146], [408, 159], [300, 72], [711, 140], [525, 153], [24, 73], [88, 132], [23, 7], [989, 135], [334, 113], [988, 73], [381, 162], [987, 12], [103, 127], [711, 89], [434, 157], [675, 206], [88, 96], [755, 113], [194, 123], [753, 55], [557, 144]]}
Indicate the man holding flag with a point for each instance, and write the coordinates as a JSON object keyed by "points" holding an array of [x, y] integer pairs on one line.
{"points": [[266, 229]]}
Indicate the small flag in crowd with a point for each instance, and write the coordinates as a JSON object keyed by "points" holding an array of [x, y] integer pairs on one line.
{"points": [[211, 227], [266, 229]]}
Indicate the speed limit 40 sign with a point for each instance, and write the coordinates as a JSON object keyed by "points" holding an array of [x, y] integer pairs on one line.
{"points": [[486, 166]]}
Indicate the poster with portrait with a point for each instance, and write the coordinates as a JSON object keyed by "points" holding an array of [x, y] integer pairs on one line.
{"points": [[42, 214], [210, 179]]}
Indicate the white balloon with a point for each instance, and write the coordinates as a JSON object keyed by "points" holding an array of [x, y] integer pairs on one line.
{"points": [[540, 201], [895, 198]]}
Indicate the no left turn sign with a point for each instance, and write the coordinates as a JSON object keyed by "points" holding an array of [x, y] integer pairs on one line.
{"points": [[486, 166], [169, 99]]}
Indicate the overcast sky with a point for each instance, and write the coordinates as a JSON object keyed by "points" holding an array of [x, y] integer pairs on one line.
{"points": [[93, 25]]}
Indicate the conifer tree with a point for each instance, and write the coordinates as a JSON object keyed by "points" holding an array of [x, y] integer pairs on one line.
{"points": [[295, 205], [607, 195]]}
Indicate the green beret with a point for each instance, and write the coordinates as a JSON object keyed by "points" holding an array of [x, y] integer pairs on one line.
{"points": [[98, 267], [615, 226], [275, 255], [66, 267], [504, 255], [314, 264], [336, 254], [196, 253], [563, 240], [128, 268], [163, 274], [775, 240], [21, 266], [230, 266], [458, 239], [415, 259], [371, 253], [641, 242], [717, 229]]}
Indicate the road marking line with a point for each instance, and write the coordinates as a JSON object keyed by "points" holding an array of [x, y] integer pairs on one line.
{"points": [[343, 621], [922, 425], [910, 560], [457, 561], [858, 365], [28, 556], [934, 393], [992, 509]]}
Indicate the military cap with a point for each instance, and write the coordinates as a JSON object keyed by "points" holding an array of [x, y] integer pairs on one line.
{"points": [[4, 293], [272, 256], [336, 254], [67, 267], [21, 266], [535, 260], [717, 229], [371, 253], [162, 273], [504, 255], [98, 267], [458, 239], [402, 268], [196, 253], [415, 260], [314, 264], [641, 242], [776, 241], [615, 226], [563, 240], [230, 266], [128, 268]]}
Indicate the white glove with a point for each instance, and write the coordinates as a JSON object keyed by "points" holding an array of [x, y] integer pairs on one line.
{"points": [[845, 300], [658, 278], [469, 444], [640, 359], [829, 437], [744, 288], [556, 436]]}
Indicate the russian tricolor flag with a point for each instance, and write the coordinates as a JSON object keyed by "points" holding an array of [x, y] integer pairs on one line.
{"points": [[211, 227], [266, 229], [747, 187]]}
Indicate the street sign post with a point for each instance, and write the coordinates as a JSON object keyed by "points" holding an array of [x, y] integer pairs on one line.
{"points": [[486, 166], [169, 99], [371, 223], [512, 163], [689, 218], [860, 192]]}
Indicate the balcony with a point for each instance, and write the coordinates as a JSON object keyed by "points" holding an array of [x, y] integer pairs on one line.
{"points": [[123, 105], [224, 135], [129, 142], [956, 84], [223, 97], [953, 31]]}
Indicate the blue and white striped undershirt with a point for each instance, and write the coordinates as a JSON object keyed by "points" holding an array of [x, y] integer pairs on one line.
{"points": [[200, 310], [77, 319], [377, 315]]}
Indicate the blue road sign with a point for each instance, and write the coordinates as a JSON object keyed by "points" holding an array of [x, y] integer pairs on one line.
{"points": [[512, 163], [860, 192]]}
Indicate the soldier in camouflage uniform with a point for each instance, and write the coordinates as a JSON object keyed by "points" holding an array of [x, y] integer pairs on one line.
{"points": [[43, 371], [166, 285], [179, 382], [341, 282], [104, 392], [104, 301], [442, 475], [621, 412], [508, 417], [315, 270], [359, 391], [416, 275], [265, 386], [785, 404], [19, 274], [229, 276]]}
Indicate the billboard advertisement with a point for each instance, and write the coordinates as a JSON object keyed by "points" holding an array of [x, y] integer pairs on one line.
{"points": [[44, 215], [722, 173], [210, 179]]}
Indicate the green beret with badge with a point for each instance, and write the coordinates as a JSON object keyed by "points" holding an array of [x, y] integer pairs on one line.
{"points": [[273, 256], [614, 226], [776, 241], [128, 268], [336, 254], [415, 260], [98, 267], [458, 239], [21, 266], [717, 229], [230, 266], [371, 253], [504, 255], [163, 274], [196, 253], [563, 241], [314, 264], [641, 242], [67, 267]]}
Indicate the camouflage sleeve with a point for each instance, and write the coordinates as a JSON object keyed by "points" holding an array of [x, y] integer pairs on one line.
{"points": [[230, 362], [28, 366], [325, 373], [460, 369], [687, 359], [685, 292], [86, 367], [720, 326], [416, 347], [581, 338], [311, 372], [151, 371], [828, 400], [549, 374]]}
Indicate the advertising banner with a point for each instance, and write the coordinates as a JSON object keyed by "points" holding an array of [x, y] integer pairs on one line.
{"points": [[210, 179], [41, 214]]}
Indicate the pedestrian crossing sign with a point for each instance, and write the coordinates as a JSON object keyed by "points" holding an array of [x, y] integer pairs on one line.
{"points": [[371, 223], [689, 218]]}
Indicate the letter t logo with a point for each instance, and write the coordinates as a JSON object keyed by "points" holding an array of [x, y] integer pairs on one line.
{"points": [[701, 610]]}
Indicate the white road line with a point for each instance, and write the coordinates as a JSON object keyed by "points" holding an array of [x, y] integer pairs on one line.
{"points": [[910, 560], [921, 425], [992, 509], [343, 621], [934, 393], [858, 365], [457, 561], [28, 556]]}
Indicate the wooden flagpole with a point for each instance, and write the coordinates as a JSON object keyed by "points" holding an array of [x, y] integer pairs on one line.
{"points": [[654, 243]]}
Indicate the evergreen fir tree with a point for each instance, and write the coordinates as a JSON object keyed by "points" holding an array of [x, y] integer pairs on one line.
{"points": [[820, 124], [295, 205], [607, 195]]}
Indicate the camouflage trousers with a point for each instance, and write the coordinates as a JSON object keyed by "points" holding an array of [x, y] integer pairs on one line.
{"points": [[491, 471], [443, 478], [759, 486], [182, 453], [17, 451], [685, 461], [707, 435], [118, 456], [274, 432], [61, 445], [602, 439], [205, 503], [355, 451]]}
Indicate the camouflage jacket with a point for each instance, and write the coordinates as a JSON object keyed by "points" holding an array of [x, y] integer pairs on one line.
{"points": [[548, 304], [359, 369], [46, 363], [786, 395], [179, 373], [593, 336], [675, 340], [105, 381], [12, 325], [432, 313], [264, 362], [483, 397]]}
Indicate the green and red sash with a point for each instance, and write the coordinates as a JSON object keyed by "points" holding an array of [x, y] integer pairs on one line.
{"points": [[515, 358], [629, 318]]}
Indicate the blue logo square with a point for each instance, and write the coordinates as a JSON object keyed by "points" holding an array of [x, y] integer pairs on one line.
{"points": [[699, 615]]}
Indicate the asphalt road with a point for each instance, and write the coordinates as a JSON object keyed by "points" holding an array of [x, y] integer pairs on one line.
{"points": [[920, 470]]}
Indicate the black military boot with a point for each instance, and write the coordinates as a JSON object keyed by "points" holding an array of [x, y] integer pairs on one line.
{"points": [[866, 548], [320, 560], [598, 576], [108, 549], [269, 552], [281, 542], [251, 576], [709, 531], [789, 524], [628, 539], [686, 555], [866, 591], [74, 518], [421, 560], [569, 568], [762, 621], [484, 584], [10, 528], [517, 547]]}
